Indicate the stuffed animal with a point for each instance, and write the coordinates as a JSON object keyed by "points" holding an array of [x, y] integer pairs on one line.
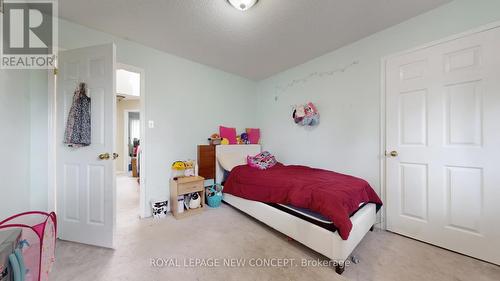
{"points": [[214, 139], [300, 111], [195, 201], [224, 141], [306, 115], [179, 165], [244, 138], [189, 170], [178, 168]]}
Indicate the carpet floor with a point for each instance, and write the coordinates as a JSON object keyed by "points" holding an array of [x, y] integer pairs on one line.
{"points": [[225, 244]]}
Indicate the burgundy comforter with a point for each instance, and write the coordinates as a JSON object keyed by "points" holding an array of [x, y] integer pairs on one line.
{"points": [[335, 196]]}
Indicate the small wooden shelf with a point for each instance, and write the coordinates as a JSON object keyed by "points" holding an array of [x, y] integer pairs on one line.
{"points": [[183, 186]]}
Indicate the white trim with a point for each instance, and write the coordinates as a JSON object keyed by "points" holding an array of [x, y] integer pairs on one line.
{"points": [[52, 139], [383, 94], [51, 148], [382, 147], [143, 205], [446, 39]]}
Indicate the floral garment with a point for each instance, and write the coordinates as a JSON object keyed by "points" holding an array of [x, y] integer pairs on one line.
{"points": [[78, 132]]}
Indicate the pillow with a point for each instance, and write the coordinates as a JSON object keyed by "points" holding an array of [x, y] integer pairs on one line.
{"points": [[262, 161], [253, 135], [228, 133], [230, 160]]}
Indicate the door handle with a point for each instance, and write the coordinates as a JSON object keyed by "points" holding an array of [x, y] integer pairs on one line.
{"points": [[115, 155], [104, 156], [393, 153]]}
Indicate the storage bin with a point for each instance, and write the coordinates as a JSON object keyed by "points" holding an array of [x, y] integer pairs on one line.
{"points": [[214, 195], [37, 242], [159, 208]]}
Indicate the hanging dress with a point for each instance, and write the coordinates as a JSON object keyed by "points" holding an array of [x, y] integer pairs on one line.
{"points": [[78, 125]]}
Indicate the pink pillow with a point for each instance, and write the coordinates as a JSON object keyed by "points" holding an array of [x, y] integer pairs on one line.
{"points": [[253, 135], [228, 133], [262, 161]]}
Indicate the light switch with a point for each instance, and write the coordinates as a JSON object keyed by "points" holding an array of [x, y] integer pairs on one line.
{"points": [[151, 124]]}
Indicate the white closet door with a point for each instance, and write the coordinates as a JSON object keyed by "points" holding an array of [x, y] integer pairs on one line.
{"points": [[443, 122], [86, 183]]}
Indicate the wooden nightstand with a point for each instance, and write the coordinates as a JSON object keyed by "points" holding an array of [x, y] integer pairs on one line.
{"points": [[183, 186]]}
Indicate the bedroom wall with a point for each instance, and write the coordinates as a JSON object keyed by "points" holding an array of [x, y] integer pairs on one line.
{"points": [[15, 142], [178, 92], [176, 88], [38, 139], [23, 170], [348, 138]]}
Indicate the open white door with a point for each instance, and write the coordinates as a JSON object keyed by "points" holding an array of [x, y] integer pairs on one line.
{"points": [[85, 183]]}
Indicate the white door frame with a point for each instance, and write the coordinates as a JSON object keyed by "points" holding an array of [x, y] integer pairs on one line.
{"points": [[51, 149], [143, 205], [383, 95], [51, 159], [126, 125]]}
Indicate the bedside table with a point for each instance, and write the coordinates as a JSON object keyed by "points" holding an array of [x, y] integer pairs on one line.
{"points": [[183, 186]]}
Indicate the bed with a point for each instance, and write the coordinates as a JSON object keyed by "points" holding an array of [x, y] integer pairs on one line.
{"points": [[301, 228]]}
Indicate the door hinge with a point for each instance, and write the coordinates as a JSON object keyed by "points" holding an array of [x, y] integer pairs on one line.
{"points": [[56, 71]]}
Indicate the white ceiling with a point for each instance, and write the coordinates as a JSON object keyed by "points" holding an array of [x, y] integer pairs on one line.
{"points": [[271, 37]]}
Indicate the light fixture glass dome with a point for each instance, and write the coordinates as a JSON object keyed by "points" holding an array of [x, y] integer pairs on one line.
{"points": [[243, 5]]}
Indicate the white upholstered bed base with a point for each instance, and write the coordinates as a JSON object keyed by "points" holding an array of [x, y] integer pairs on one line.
{"points": [[321, 240]]}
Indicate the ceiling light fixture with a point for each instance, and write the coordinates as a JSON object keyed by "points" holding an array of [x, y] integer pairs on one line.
{"points": [[243, 5]]}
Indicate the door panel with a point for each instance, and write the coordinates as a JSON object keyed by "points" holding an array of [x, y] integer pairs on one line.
{"points": [[463, 111], [443, 107], [85, 183], [413, 114], [414, 190], [464, 190]]}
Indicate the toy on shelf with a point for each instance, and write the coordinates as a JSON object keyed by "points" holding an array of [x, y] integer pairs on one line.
{"points": [[215, 139], [192, 200], [189, 168], [178, 168], [244, 138], [184, 169]]}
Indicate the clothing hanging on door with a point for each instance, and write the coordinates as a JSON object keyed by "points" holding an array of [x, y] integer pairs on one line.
{"points": [[78, 132]]}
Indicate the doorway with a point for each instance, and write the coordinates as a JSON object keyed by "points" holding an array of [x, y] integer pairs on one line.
{"points": [[129, 141], [83, 177]]}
